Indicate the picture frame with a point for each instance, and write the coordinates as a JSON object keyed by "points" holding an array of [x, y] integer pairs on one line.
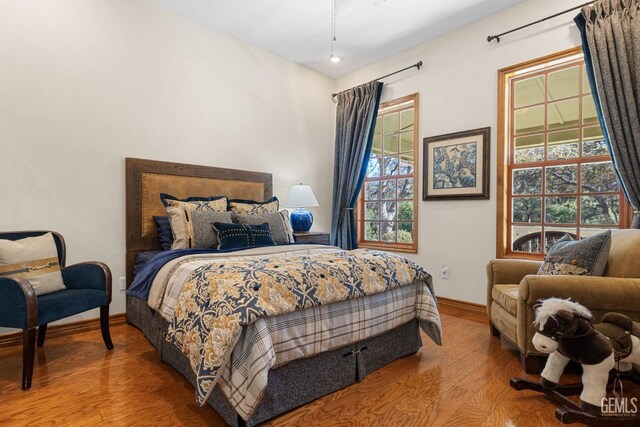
{"points": [[456, 165]]}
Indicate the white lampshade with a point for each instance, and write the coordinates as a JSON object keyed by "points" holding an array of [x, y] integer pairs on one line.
{"points": [[301, 196]]}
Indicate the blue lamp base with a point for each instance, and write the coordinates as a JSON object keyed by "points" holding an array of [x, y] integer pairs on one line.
{"points": [[301, 220]]}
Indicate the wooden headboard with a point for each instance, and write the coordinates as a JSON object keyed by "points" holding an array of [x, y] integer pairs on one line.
{"points": [[146, 179]]}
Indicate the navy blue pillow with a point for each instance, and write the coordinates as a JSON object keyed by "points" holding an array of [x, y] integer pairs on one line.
{"points": [[164, 197], [164, 232], [254, 202], [239, 236]]}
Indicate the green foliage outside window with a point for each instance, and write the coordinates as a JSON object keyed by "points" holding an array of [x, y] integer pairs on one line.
{"points": [[388, 194], [562, 178]]}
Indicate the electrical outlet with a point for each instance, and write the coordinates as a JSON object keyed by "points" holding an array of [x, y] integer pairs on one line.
{"points": [[444, 272], [123, 283]]}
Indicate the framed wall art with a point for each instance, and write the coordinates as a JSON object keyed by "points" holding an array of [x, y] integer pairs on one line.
{"points": [[456, 166]]}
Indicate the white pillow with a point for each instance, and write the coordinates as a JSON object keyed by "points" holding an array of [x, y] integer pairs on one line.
{"points": [[34, 259]]}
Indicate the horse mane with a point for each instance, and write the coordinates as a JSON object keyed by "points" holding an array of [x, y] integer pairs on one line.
{"points": [[548, 308]]}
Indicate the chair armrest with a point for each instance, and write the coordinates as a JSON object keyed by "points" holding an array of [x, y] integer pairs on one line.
{"points": [[596, 293], [18, 303], [88, 275], [599, 294], [508, 272]]}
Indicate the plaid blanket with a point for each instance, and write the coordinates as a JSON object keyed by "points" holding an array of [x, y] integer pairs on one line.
{"points": [[224, 296], [272, 342]]}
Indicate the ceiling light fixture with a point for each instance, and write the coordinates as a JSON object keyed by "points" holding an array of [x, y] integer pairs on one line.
{"points": [[333, 58]]}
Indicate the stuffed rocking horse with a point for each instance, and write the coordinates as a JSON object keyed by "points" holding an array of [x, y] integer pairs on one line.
{"points": [[565, 332]]}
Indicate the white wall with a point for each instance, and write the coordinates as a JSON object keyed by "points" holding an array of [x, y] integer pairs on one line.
{"points": [[458, 91], [86, 83]]}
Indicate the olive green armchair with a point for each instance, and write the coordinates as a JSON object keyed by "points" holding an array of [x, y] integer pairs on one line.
{"points": [[513, 288]]}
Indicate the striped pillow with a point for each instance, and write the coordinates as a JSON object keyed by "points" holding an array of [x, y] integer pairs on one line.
{"points": [[192, 228], [34, 259], [278, 224]]}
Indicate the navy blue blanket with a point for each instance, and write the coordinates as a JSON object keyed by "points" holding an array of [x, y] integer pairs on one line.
{"points": [[143, 280], [141, 259]]}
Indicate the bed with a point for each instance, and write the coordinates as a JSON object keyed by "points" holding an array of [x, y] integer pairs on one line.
{"points": [[294, 375]]}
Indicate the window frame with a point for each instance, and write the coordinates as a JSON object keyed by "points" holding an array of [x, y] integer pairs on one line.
{"points": [[359, 212], [505, 151]]}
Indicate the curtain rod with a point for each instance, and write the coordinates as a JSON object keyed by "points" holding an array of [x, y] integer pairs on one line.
{"points": [[416, 65], [497, 37]]}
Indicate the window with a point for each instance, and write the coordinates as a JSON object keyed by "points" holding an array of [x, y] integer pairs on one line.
{"points": [[556, 175], [387, 212]]}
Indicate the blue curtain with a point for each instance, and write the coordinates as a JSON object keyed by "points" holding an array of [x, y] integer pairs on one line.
{"points": [[355, 120], [610, 31]]}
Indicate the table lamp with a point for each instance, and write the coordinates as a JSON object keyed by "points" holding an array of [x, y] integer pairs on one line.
{"points": [[300, 197]]}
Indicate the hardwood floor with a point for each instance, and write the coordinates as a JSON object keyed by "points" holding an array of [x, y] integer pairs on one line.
{"points": [[78, 382]]}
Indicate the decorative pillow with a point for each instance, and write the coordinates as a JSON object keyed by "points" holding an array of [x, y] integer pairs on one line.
{"points": [[251, 207], [586, 257], [278, 224], [213, 203], [192, 229], [34, 259], [164, 231], [238, 236]]}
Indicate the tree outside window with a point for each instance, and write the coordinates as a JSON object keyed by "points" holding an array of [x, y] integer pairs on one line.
{"points": [[387, 208], [557, 173]]}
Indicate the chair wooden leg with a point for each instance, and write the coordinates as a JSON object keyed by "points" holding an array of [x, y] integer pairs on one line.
{"points": [[28, 354], [104, 326], [494, 331], [42, 333], [532, 364]]}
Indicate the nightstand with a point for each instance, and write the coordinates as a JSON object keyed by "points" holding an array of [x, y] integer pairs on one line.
{"points": [[311, 237]]}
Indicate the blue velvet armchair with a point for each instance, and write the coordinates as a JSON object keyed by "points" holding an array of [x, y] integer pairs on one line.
{"points": [[88, 286]]}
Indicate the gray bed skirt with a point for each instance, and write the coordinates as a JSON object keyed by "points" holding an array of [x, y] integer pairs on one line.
{"points": [[296, 383]]}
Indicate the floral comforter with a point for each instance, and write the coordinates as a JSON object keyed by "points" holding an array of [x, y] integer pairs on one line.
{"points": [[221, 297]]}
